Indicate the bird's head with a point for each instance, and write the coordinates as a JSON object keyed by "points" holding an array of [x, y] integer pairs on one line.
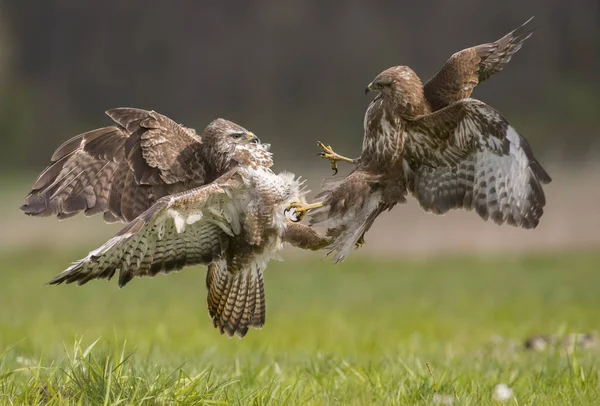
{"points": [[227, 133], [399, 84], [228, 142]]}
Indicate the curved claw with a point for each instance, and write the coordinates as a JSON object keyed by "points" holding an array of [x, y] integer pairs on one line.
{"points": [[333, 162], [295, 211], [330, 155]]}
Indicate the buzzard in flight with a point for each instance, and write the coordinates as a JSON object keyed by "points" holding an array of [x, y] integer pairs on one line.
{"points": [[447, 150], [188, 199]]}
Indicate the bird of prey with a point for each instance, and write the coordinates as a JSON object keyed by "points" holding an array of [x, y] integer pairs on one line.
{"points": [[448, 150], [188, 199]]}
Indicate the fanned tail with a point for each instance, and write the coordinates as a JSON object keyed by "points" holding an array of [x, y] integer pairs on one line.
{"points": [[236, 300]]}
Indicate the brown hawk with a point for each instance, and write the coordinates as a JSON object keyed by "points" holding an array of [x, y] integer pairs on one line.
{"points": [[188, 199], [447, 150]]}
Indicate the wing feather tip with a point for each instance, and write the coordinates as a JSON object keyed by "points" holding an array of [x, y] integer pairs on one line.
{"points": [[54, 281]]}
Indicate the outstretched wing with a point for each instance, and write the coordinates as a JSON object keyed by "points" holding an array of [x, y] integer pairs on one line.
{"points": [[469, 67], [119, 170], [182, 230], [194, 227], [468, 156]]}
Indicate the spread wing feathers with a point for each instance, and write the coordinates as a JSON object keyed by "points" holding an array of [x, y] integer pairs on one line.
{"points": [[469, 67], [349, 209], [468, 156], [236, 297], [118, 170], [159, 150], [187, 229]]}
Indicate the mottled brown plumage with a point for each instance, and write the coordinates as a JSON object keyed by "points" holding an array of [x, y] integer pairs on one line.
{"points": [[447, 150], [469, 67], [122, 170], [188, 200]]}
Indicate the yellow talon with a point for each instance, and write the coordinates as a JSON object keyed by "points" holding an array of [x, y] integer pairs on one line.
{"points": [[296, 211], [360, 241], [333, 157]]}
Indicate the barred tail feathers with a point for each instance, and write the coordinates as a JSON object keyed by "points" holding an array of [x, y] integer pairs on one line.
{"points": [[236, 300]]}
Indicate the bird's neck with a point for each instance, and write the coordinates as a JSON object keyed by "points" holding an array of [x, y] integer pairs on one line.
{"points": [[216, 157]]}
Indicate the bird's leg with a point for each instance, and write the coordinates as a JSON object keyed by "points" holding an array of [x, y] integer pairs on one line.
{"points": [[296, 211], [333, 157], [304, 237]]}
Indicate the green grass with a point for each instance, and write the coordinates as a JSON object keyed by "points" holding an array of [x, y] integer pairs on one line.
{"points": [[362, 332]]}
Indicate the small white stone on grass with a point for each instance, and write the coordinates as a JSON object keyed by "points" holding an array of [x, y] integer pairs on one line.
{"points": [[502, 393], [24, 361], [443, 399]]}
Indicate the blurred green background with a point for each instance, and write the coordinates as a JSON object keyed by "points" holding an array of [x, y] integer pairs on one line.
{"points": [[421, 331], [453, 291]]}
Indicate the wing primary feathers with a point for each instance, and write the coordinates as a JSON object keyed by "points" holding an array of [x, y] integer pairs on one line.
{"points": [[496, 55], [128, 250], [465, 69], [119, 170], [69, 184]]}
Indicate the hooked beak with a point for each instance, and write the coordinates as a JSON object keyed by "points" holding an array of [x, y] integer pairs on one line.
{"points": [[251, 138], [369, 88]]}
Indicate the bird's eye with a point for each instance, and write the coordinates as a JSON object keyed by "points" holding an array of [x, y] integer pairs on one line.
{"points": [[237, 136]]}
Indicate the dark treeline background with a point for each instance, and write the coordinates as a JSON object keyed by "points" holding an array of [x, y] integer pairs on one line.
{"points": [[293, 72]]}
